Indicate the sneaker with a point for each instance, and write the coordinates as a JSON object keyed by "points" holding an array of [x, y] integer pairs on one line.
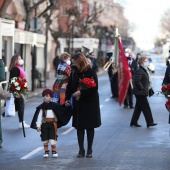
{"points": [[55, 155], [25, 125], [46, 155]]}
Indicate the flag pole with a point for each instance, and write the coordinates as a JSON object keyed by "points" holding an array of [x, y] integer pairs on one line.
{"points": [[23, 129], [116, 49], [124, 74]]}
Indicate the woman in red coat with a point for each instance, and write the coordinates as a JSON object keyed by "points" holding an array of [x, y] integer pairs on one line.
{"points": [[86, 107]]}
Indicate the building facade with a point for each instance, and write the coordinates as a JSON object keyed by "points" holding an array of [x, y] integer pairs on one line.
{"points": [[17, 41]]}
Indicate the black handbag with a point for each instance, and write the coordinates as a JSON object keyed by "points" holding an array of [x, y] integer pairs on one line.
{"points": [[151, 92]]}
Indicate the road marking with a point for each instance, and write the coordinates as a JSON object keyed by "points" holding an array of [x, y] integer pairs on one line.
{"points": [[101, 106], [68, 131], [106, 100], [32, 153]]}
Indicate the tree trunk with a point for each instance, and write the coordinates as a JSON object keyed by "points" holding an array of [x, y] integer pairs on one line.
{"points": [[4, 8]]}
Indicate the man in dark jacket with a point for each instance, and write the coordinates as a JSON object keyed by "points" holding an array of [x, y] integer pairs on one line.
{"points": [[113, 77], [133, 67]]}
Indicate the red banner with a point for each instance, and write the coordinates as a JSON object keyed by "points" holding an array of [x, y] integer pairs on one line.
{"points": [[124, 73]]}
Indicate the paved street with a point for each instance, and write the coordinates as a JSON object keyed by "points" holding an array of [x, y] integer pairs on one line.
{"points": [[117, 146]]}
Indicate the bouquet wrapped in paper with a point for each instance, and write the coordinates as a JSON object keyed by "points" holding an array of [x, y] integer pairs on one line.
{"points": [[18, 86]]}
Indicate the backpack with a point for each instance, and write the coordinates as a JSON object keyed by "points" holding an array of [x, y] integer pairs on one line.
{"points": [[2, 71]]}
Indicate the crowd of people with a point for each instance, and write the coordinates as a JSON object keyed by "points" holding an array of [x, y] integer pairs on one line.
{"points": [[65, 93], [71, 91], [141, 86]]}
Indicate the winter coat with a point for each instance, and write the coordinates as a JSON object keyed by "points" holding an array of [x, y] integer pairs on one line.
{"points": [[133, 67], [166, 79], [141, 82], [86, 111], [62, 113]]}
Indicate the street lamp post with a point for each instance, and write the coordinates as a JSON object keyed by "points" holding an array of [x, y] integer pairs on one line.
{"points": [[72, 41], [34, 55]]}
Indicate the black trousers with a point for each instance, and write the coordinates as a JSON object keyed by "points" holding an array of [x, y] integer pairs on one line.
{"points": [[142, 105], [47, 131], [114, 85], [80, 137], [19, 107], [129, 97]]}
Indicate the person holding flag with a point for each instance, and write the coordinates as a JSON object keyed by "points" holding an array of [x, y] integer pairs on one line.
{"points": [[124, 73], [133, 67]]}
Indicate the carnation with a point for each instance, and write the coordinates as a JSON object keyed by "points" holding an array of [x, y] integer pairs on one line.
{"points": [[18, 86], [87, 83]]}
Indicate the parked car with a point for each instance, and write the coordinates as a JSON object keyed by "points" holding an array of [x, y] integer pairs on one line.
{"points": [[151, 66]]}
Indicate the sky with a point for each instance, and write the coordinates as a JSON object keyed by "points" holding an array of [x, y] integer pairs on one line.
{"points": [[145, 16]]}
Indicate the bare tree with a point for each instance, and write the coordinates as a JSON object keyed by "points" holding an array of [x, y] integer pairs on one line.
{"points": [[30, 8], [165, 23], [4, 8], [114, 17]]}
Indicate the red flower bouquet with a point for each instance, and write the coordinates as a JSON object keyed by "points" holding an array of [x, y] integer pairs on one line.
{"points": [[167, 105], [18, 86], [165, 90], [87, 83]]}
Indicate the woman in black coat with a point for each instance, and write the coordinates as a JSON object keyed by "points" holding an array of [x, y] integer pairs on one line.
{"points": [[141, 86], [86, 107]]}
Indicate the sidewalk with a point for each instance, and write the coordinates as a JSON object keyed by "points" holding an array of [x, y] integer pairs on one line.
{"points": [[50, 82]]}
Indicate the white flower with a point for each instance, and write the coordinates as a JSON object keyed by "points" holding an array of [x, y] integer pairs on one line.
{"points": [[16, 83], [25, 85], [18, 88], [12, 80]]}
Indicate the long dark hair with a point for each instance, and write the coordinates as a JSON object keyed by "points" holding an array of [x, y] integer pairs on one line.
{"points": [[14, 62], [81, 62]]}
